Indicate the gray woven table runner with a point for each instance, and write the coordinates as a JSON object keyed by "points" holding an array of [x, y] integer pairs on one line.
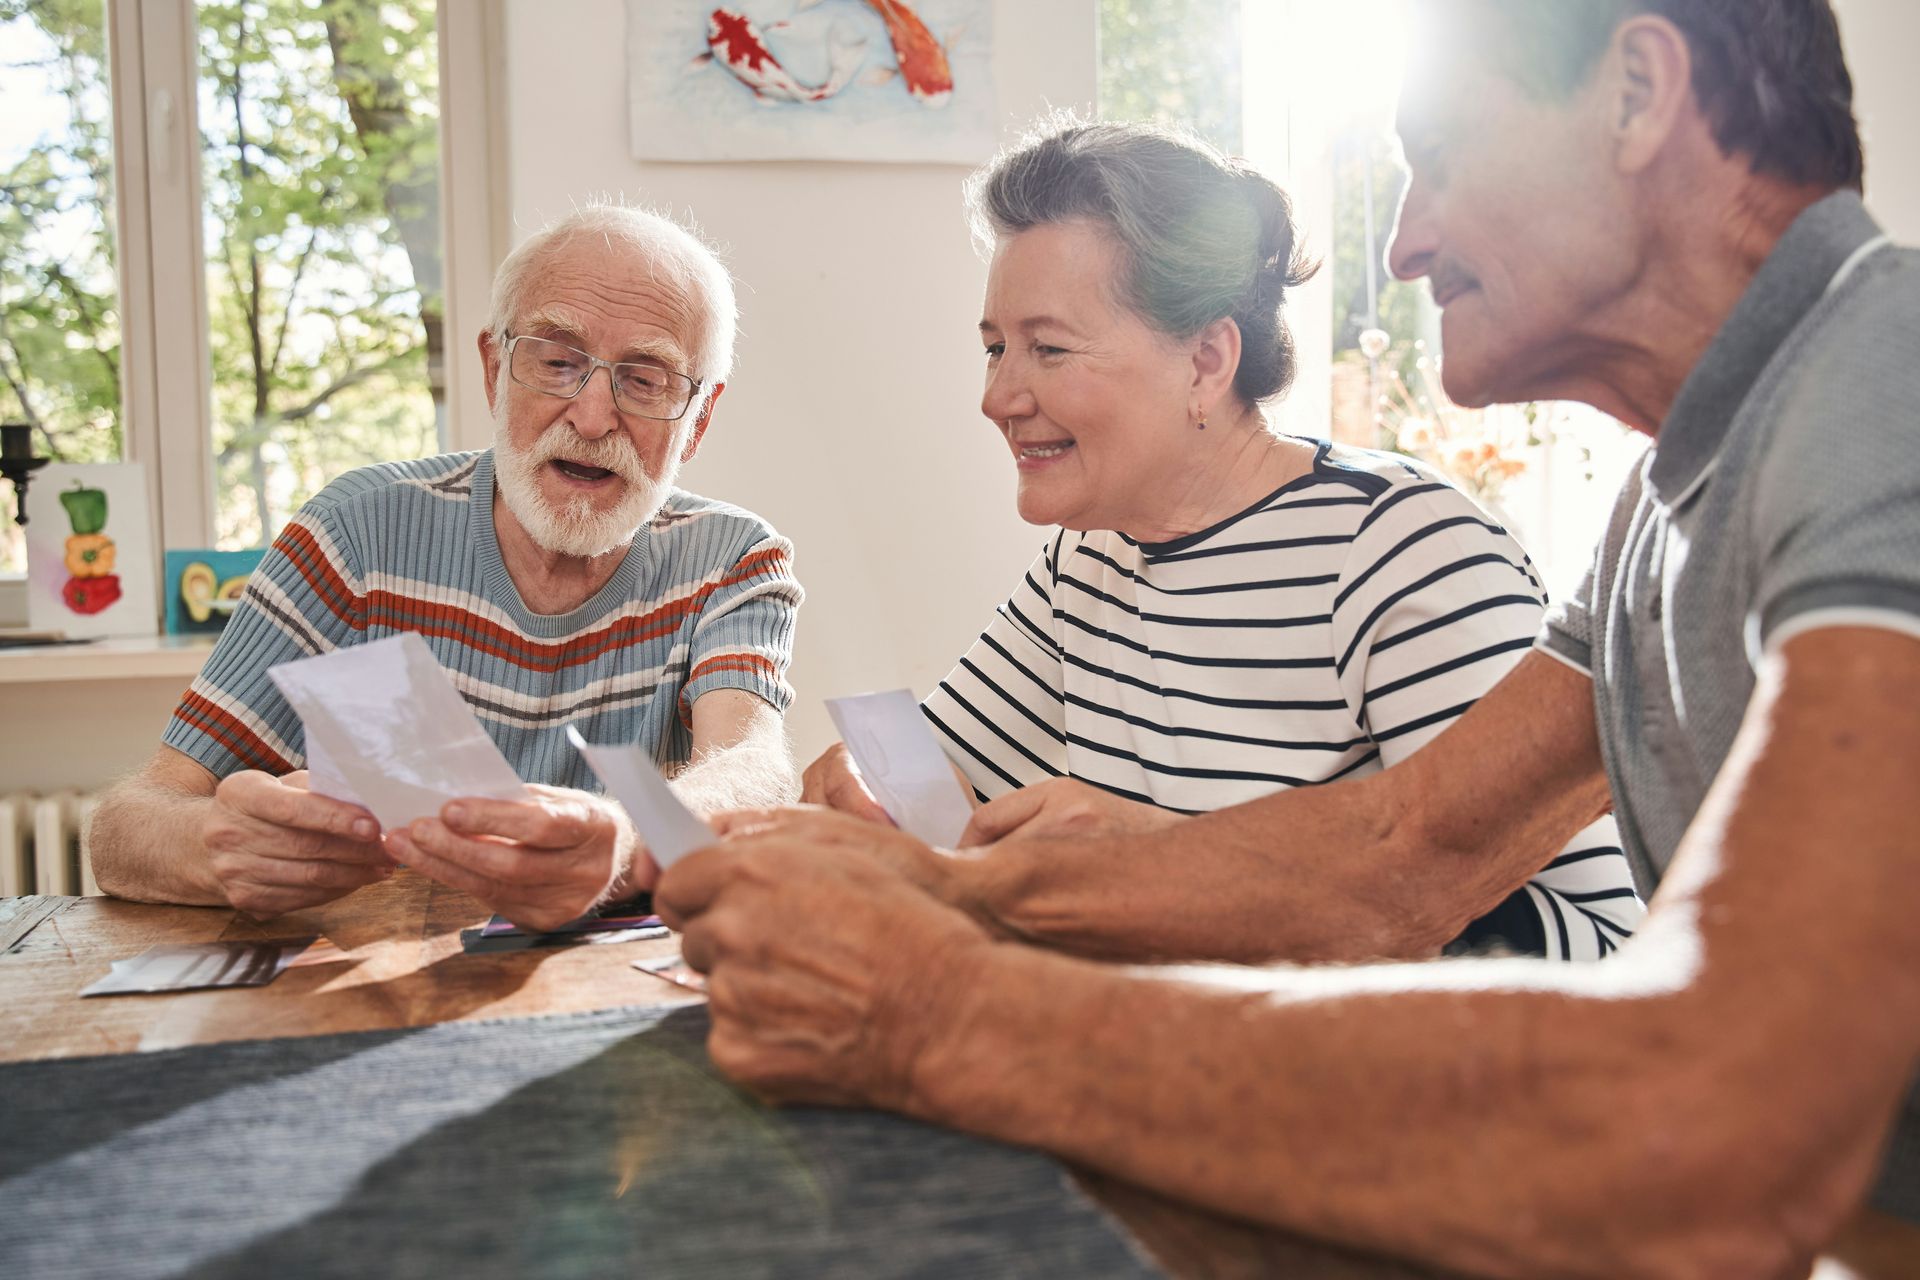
{"points": [[586, 1145]]}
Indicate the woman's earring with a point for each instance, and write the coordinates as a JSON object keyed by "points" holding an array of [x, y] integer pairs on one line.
{"points": [[1203, 420]]}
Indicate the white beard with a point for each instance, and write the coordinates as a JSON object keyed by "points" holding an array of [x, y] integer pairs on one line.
{"points": [[576, 529]]}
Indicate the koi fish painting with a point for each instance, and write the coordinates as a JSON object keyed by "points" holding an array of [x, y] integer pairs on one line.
{"points": [[738, 46], [873, 80], [920, 59]]}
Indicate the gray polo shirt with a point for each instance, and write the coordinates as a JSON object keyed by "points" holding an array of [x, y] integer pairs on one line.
{"points": [[1783, 494]]}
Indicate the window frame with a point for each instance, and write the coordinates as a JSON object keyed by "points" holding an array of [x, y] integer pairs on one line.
{"points": [[166, 370], [1287, 135]]}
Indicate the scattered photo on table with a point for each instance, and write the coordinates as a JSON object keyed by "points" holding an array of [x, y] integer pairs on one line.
{"points": [[480, 940], [629, 921], [674, 969], [200, 966], [609, 917]]}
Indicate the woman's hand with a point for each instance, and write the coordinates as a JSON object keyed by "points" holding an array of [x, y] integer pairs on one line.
{"points": [[834, 781], [828, 973], [1062, 807]]}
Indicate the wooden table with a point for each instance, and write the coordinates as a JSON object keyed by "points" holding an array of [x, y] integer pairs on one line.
{"points": [[405, 968]]}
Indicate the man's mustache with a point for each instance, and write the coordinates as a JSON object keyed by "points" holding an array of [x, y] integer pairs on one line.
{"points": [[1444, 279], [613, 453]]}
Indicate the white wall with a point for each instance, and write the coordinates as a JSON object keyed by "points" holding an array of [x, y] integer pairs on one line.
{"points": [[76, 735], [852, 421], [1882, 38]]}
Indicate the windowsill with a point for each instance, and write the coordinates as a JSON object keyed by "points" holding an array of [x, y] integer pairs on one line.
{"points": [[129, 658]]}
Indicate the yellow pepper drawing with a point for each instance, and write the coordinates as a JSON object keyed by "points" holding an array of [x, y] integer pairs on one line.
{"points": [[89, 555]]}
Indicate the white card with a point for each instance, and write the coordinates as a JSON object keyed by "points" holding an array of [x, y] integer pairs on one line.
{"points": [[630, 776], [895, 750], [391, 731], [323, 775]]}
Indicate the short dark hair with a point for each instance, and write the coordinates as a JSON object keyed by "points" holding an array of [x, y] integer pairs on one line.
{"points": [[1201, 237], [1769, 75]]}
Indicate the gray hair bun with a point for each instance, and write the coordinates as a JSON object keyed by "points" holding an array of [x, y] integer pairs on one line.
{"points": [[1202, 237]]}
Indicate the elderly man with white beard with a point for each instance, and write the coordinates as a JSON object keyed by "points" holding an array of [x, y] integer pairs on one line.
{"points": [[558, 577]]}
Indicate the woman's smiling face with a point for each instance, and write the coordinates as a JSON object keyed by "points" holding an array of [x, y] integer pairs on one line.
{"points": [[1093, 403]]}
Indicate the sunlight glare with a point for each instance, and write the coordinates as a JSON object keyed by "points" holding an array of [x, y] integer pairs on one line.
{"points": [[1351, 56]]}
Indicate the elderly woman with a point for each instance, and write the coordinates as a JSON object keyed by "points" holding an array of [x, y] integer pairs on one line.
{"points": [[1224, 611]]}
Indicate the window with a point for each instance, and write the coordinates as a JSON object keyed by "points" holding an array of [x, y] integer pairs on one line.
{"points": [[59, 299], [257, 297], [320, 153], [1174, 61], [1306, 89]]}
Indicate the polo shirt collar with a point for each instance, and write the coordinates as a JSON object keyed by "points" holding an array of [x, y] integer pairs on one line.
{"points": [[1822, 240]]}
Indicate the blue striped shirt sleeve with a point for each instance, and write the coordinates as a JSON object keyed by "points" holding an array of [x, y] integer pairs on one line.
{"points": [[744, 636]]}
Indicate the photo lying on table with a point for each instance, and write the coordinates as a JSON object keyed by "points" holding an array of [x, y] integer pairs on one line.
{"points": [[200, 966], [674, 969], [629, 921], [480, 940], [608, 917]]}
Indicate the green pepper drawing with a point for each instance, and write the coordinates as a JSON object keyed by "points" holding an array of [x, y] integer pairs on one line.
{"points": [[86, 508]]}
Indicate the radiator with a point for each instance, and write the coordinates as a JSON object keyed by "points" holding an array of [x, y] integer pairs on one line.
{"points": [[43, 844]]}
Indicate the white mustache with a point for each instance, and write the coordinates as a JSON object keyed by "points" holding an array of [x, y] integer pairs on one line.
{"points": [[613, 453]]}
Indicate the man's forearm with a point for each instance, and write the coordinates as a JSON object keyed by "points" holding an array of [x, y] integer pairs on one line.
{"points": [[146, 845], [1390, 866], [1342, 873], [758, 773], [1697, 1105], [755, 774], [1569, 1123], [1218, 887]]}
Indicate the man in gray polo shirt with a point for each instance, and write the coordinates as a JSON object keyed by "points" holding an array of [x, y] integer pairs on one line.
{"points": [[1651, 206]]}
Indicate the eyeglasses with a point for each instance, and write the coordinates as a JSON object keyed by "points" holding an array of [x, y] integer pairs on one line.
{"points": [[556, 369]]}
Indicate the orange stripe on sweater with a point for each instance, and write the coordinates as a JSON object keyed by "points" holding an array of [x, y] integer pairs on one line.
{"points": [[196, 712], [752, 662], [748, 662], [310, 560], [409, 613], [464, 626]]}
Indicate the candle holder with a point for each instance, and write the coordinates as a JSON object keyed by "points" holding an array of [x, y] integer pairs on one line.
{"points": [[17, 463]]}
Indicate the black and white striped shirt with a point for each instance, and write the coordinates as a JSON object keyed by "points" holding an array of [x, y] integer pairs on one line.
{"points": [[1328, 631]]}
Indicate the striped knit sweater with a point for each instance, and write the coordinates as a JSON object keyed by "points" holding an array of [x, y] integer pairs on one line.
{"points": [[1329, 631], [705, 599]]}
